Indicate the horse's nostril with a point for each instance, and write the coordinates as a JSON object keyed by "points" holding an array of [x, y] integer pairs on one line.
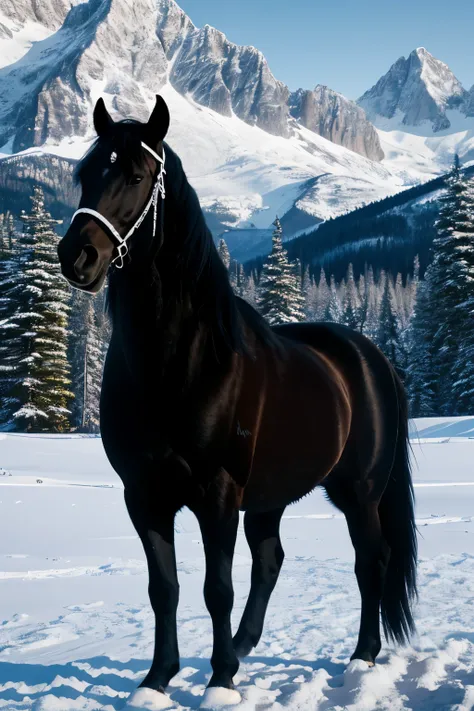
{"points": [[87, 258]]}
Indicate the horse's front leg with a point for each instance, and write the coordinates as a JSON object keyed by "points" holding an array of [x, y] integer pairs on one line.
{"points": [[154, 523], [219, 520]]}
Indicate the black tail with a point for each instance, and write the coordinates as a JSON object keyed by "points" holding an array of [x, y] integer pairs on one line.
{"points": [[397, 519]]}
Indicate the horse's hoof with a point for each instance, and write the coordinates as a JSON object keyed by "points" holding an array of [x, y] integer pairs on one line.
{"points": [[358, 665], [216, 698], [143, 699]]}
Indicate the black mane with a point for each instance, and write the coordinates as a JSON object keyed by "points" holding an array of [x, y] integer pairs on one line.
{"points": [[203, 269]]}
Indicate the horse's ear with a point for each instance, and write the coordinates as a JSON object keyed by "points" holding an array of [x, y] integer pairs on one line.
{"points": [[159, 121], [102, 120]]}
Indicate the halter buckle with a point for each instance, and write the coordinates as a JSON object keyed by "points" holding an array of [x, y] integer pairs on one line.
{"points": [[122, 250]]}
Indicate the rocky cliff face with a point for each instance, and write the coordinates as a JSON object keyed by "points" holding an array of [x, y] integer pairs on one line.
{"points": [[47, 96], [221, 75], [128, 48], [419, 89], [336, 118]]}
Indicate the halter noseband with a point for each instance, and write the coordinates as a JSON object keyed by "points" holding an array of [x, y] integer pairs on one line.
{"points": [[158, 188]]}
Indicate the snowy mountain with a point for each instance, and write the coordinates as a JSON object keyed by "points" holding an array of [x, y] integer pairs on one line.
{"points": [[469, 102], [336, 118], [423, 116], [251, 148], [95, 48], [417, 90], [231, 119]]}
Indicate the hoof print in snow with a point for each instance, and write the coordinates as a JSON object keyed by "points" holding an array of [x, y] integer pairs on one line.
{"points": [[144, 699], [216, 698]]}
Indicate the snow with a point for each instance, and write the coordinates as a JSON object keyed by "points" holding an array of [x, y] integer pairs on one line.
{"points": [[76, 630], [21, 40], [418, 151]]}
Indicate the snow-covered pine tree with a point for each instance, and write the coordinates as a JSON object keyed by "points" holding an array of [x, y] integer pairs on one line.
{"points": [[323, 296], [310, 295], [388, 335], [370, 313], [280, 299], [40, 373], [351, 302], [224, 253], [10, 332], [333, 309], [421, 379], [251, 291], [87, 347], [8, 254], [240, 281], [450, 285], [412, 289]]}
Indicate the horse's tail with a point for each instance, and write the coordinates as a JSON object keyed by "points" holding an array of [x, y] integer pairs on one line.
{"points": [[397, 519]]}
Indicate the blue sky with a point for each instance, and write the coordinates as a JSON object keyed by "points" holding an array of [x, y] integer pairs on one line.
{"points": [[346, 44]]}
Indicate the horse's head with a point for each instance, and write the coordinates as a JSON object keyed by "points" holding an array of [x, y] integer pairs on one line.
{"points": [[121, 178]]}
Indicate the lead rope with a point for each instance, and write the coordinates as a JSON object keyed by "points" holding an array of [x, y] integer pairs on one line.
{"points": [[158, 188]]}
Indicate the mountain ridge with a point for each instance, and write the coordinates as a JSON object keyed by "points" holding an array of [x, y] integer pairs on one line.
{"points": [[200, 63], [420, 89]]}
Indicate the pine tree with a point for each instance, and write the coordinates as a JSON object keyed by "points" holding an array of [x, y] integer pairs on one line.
{"points": [[450, 285], [251, 291], [240, 281], [351, 303], [87, 348], [370, 319], [224, 253], [388, 336], [38, 366], [310, 295], [421, 380], [323, 296], [333, 309], [280, 298], [10, 332]]}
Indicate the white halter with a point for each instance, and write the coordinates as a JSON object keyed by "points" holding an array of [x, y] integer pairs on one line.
{"points": [[159, 187]]}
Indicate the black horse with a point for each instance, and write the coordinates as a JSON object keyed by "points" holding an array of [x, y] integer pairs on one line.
{"points": [[205, 406]]}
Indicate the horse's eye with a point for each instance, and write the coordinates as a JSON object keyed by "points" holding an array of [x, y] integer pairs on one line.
{"points": [[135, 180]]}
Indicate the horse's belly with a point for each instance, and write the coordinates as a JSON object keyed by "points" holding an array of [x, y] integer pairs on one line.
{"points": [[301, 438], [288, 468]]}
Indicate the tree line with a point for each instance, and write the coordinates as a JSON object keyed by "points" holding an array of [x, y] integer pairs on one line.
{"points": [[424, 326], [53, 339]]}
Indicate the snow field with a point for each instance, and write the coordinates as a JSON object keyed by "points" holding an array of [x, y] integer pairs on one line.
{"points": [[76, 628]]}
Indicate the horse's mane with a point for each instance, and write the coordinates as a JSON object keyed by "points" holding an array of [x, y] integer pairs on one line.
{"points": [[200, 270], [205, 272]]}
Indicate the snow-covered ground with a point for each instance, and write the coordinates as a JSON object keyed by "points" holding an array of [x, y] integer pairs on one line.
{"points": [[76, 626]]}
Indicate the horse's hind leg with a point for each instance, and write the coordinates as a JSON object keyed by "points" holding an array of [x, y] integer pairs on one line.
{"points": [[372, 556], [263, 536]]}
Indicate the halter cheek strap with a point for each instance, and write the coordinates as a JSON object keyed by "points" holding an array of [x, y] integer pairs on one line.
{"points": [[158, 189]]}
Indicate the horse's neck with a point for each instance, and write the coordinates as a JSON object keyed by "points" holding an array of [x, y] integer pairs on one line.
{"points": [[173, 347]]}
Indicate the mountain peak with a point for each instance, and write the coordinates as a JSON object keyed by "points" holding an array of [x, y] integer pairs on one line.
{"points": [[418, 89], [336, 118]]}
